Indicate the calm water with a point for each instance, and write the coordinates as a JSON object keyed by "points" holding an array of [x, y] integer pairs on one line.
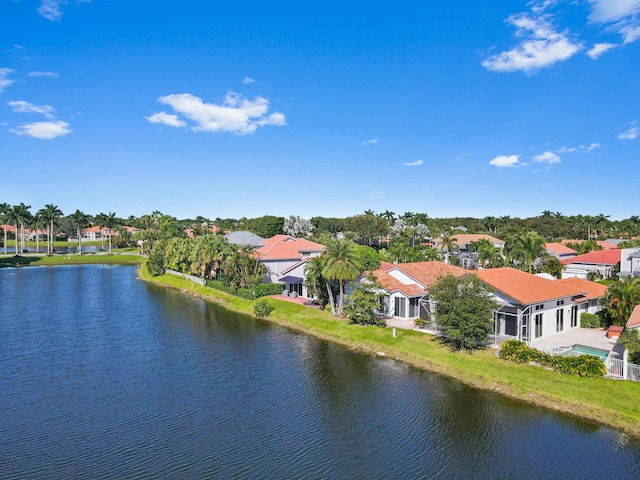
{"points": [[104, 376]]}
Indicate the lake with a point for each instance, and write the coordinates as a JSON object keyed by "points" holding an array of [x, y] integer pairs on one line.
{"points": [[105, 376]]}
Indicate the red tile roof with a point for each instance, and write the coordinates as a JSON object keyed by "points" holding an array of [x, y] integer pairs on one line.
{"points": [[603, 243], [559, 249], [524, 288], [425, 274], [598, 257], [593, 290], [281, 247], [634, 319]]}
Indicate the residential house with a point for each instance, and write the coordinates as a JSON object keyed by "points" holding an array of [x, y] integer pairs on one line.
{"points": [[467, 259], [406, 286], [285, 257], [531, 307], [629, 262], [560, 251], [601, 261], [634, 319], [588, 301], [604, 244], [243, 238]]}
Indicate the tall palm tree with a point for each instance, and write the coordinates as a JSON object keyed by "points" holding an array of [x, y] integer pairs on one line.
{"points": [[21, 215], [621, 298], [524, 248], [37, 222], [341, 264], [389, 216], [52, 214], [111, 222], [80, 220], [449, 245], [5, 211], [100, 220]]}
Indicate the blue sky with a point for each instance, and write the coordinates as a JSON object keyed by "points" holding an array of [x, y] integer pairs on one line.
{"points": [[231, 109]]}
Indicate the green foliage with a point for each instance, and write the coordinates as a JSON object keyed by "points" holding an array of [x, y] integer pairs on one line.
{"points": [[622, 296], [341, 265], [368, 258], [589, 320], [630, 338], [155, 263], [262, 309], [524, 249], [588, 366], [464, 311], [368, 228], [315, 282], [266, 226], [364, 302], [261, 290]]}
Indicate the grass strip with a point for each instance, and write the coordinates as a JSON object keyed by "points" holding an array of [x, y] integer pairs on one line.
{"points": [[33, 260], [609, 402]]}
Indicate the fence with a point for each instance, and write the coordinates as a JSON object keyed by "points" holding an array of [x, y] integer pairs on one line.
{"points": [[194, 279]]}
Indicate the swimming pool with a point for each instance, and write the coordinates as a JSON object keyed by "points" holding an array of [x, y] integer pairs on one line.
{"points": [[584, 350]]}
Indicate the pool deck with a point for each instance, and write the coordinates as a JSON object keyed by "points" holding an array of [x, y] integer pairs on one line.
{"points": [[589, 337]]}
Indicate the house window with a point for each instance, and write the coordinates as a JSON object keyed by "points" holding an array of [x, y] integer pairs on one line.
{"points": [[560, 302], [559, 320], [414, 307], [384, 308], [540, 306], [400, 310], [296, 287], [538, 320], [525, 327], [574, 316]]}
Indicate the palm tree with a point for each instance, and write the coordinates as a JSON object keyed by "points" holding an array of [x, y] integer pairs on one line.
{"points": [[341, 264], [80, 220], [37, 222], [111, 222], [449, 245], [5, 215], [52, 214], [100, 220], [21, 215], [525, 248], [621, 298], [369, 212], [389, 216]]}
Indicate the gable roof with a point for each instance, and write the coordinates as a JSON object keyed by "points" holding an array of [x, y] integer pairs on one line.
{"points": [[280, 247], [244, 238], [634, 319], [593, 290], [559, 249], [598, 257], [525, 288], [424, 275]]}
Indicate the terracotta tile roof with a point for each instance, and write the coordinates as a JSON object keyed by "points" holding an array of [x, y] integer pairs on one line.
{"points": [[598, 257], [634, 319], [466, 238], [425, 274], [603, 243], [559, 249], [593, 290], [524, 288], [280, 247]]}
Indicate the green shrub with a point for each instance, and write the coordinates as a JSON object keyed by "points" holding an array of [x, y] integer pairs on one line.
{"points": [[262, 309], [266, 289], [515, 351], [155, 264], [589, 320], [260, 290]]}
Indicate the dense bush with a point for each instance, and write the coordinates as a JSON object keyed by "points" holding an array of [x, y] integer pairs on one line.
{"points": [[261, 290], [583, 365], [262, 309], [589, 320], [155, 264]]}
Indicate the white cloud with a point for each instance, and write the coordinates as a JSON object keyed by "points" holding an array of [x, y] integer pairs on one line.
{"points": [[590, 148], [21, 106], [44, 74], [622, 16], [248, 80], [165, 118], [631, 133], [547, 157], [50, 9], [373, 141], [542, 46], [417, 163], [462, 155], [43, 130], [503, 161], [235, 114], [599, 49], [5, 81]]}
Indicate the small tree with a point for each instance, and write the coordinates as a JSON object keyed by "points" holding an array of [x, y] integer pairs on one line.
{"points": [[364, 303], [464, 311], [262, 309], [630, 339]]}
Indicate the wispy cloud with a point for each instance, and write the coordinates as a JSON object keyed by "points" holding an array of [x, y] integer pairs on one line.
{"points": [[621, 16], [547, 157], [248, 80], [417, 163], [235, 114], [52, 9], [504, 161], [542, 46], [44, 74], [43, 130], [5, 81], [373, 141], [632, 131], [600, 49], [462, 155], [21, 106]]}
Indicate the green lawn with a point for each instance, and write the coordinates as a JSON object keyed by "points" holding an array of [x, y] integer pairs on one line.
{"points": [[59, 243], [610, 402], [35, 260]]}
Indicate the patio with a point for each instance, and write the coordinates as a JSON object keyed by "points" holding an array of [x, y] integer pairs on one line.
{"points": [[589, 337]]}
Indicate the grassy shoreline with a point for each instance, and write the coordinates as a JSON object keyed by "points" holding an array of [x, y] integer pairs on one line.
{"points": [[608, 402], [34, 260]]}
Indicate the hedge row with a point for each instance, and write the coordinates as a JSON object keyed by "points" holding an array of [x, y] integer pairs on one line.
{"points": [[589, 320], [262, 290], [583, 365]]}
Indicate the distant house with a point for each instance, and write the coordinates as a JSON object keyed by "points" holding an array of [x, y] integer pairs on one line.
{"points": [[531, 307], [601, 261], [406, 286], [244, 238], [190, 232], [285, 257], [634, 319], [630, 262], [587, 301], [466, 257], [604, 244], [560, 251]]}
